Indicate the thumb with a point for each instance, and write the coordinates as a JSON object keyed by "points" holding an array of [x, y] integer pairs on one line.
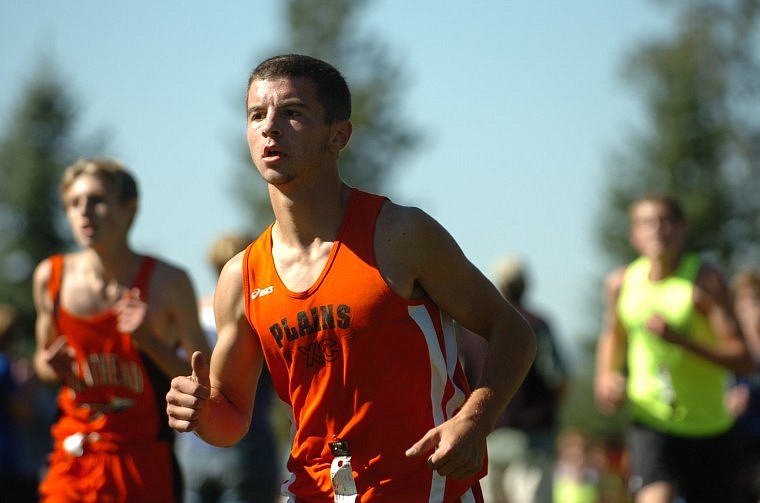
{"points": [[423, 446], [200, 369]]}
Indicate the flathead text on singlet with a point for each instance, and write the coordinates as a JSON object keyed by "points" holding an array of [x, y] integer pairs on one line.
{"points": [[105, 369]]}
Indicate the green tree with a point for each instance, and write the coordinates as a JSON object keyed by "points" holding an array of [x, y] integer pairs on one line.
{"points": [[34, 149], [701, 141], [330, 30]]}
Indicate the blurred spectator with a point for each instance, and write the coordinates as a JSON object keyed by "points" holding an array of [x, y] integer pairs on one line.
{"points": [[744, 396], [589, 470], [576, 471], [25, 416], [521, 449], [249, 470]]}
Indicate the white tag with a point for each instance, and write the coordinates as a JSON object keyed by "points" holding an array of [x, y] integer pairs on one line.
{"points": [[74, 444], [344, 485]]}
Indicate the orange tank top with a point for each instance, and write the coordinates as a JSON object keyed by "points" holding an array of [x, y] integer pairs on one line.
{"points": [[357, 362], [116, 391]]}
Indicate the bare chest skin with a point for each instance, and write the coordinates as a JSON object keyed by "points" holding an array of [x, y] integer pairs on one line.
{"points": [[87, 298], [85, 292], [299, 269], [302, 240]]}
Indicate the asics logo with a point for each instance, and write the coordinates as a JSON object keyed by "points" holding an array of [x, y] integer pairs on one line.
{"points": [[260, 292]]}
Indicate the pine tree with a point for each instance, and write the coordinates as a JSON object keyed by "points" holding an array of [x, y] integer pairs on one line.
{"points": [[34, 150], [702, 139]]}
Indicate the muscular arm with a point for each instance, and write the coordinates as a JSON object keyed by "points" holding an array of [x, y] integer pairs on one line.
{"points": [[611, 351], [219, 404], [418, 257], [237, 359]]}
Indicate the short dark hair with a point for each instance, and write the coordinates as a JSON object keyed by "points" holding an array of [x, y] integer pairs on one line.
{"points": [[671, 203], [332, 89]]}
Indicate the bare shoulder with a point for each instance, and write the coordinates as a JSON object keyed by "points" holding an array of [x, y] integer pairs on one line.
{"points": [[406, 228], [40, 280], [413, 250], [170, 287], [398, 219], [236, 262], [42, 272], [613, 282], [710, 288], [169, 274], [711, 279], [230, 286], [229, 297]]}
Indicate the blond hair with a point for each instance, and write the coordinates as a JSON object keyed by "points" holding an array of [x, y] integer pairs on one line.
{"points": [[114, 173]]}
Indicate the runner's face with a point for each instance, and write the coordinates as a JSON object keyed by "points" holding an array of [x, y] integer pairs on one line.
{"points": [[654, 231], [287, 133], [94, 212]]}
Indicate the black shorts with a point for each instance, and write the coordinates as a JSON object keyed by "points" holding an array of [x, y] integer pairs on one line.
{"points": [[702, 468]]}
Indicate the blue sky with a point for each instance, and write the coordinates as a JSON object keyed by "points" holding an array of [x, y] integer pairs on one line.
{"points": [[521, 104]]}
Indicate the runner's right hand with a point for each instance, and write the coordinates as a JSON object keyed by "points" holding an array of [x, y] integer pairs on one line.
{"points": [[187, 396]]}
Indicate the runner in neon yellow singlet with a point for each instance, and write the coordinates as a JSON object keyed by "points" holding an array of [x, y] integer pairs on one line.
{"points": [[668, 344], [672, 389]]}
